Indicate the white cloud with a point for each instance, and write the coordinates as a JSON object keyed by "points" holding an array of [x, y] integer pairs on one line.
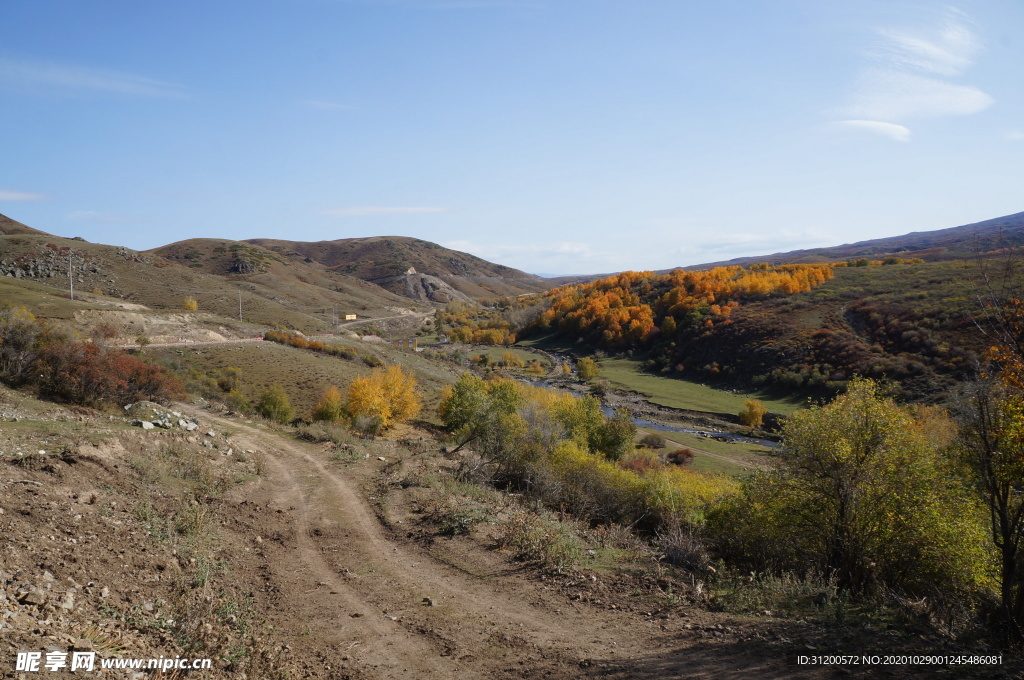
{"points": [[8, 195], [95, 217], [496, 251], [325, 106], [84, 78], [368, 210], [894, 95], [947, 49], [1015, 136], [909, 77], [898, 132]]}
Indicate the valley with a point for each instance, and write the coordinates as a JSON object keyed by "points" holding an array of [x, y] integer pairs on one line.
{"points": [[569, 489]]}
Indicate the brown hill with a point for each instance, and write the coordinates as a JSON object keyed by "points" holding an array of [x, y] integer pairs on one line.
{"points": [[272, 292], [9, 227], [411, 267], [306, 285]]}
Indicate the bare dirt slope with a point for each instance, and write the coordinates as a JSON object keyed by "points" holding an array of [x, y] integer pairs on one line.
{"points": [[364, 599], [284, 561]]}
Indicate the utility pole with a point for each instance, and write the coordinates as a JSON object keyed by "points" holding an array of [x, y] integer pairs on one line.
{"points": [[71, 276]]}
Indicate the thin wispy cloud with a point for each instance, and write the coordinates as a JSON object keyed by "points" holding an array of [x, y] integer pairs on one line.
{"points": [[370, 210], [947, 49], [80, 78], [909, 77], [1015, 136], [900, 133], [95, 217], [894, 95], [321, 105], [725, 246], [453, 4], [9, 195], [500, 251]]}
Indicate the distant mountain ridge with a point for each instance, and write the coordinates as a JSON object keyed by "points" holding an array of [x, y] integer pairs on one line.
{"points": [[941, 244]]}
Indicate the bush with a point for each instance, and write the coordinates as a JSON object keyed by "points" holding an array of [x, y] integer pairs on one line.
{"points": [[587, 369], [85, 373], [21, 339], [190, 304], [385, 397], [273, 404], [863, 496], [533, 538], [753, 414], [653, 441], [680, 457], [330, 407]]}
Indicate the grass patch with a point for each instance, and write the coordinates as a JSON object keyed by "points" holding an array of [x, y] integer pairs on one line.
{"points": [[687, 394], [709, 455]]}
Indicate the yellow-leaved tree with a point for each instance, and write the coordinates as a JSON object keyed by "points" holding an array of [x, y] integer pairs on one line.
{"points": [[331, 407], [753, 414], [381, 399]]}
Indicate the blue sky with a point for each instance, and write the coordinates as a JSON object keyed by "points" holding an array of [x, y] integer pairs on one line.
{"points": [[555, 136]]}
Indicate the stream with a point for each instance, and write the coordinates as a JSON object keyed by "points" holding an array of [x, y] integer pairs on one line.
{"points": [[663, 427]]}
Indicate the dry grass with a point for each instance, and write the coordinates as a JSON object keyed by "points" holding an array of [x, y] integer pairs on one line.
{"points": [[305, 374]]}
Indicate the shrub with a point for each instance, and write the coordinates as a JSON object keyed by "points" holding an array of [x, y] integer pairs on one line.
{"points": [[510, 360], [653, 440], [753, 413], [864, 496], [237, 400], [640, 461], [587, 369], [330, 407], [385, 397], [537, 539], [190, 304], [680, 457], [85, 373], [21, 339], [274, 404]]}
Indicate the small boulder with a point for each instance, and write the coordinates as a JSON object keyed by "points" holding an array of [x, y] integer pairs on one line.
{"points": [[34, 597]]}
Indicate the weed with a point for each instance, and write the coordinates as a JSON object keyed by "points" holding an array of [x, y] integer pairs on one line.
{"points": [[193, 519], [321, 432], [153, 520], [682, 549], [533, 538], [785, 593], [29, 461]]}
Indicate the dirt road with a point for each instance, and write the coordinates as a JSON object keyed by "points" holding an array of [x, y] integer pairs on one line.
{"points": [[357, 595]]}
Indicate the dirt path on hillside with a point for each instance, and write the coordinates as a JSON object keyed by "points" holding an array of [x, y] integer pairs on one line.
{"points": [[355, 598]]}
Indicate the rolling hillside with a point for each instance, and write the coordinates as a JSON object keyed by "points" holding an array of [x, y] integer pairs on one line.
{"points": [[272, 291], [411, 267]]}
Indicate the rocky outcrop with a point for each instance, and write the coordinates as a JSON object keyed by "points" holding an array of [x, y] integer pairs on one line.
{"points": [[423, 287]]}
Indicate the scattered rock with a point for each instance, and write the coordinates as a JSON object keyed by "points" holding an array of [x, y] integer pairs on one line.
{"points": [[82, 645], [34, 597], [429, 601]]}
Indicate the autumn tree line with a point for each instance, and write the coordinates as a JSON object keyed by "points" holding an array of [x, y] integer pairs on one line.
{"points": [[632, 309]]}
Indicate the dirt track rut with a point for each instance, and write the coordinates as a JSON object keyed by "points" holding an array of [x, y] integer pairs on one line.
{"points": [[355, 592]]}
